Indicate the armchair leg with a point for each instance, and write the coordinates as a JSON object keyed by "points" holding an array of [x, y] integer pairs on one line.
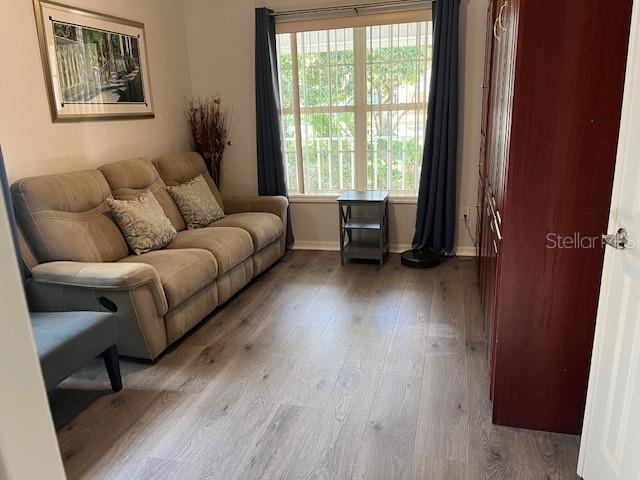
{"points": [[112, 363]]}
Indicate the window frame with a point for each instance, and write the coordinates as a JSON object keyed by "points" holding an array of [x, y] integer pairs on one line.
{"points": [[361, 108]]}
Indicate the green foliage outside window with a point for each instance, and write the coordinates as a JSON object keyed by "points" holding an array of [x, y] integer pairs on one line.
{"points": [[395, 104]]}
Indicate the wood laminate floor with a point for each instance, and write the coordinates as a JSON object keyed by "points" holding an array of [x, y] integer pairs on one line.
{"points": [[313, 371]]}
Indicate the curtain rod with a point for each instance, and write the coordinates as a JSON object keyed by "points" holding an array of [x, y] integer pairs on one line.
{"points": [[355, 7]]}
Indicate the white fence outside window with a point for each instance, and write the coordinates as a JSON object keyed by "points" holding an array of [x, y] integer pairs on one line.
{"points": [[354, 107]]}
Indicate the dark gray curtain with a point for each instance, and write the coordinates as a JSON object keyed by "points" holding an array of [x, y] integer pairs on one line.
{"points": [[271, 170], [436, 217]]}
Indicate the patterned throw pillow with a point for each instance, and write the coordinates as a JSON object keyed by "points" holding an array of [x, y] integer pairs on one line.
{"points": [[143, 222], [196, 203]]}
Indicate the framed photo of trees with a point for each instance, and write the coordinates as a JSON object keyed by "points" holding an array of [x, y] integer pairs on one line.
{"points": [[95, 65]]}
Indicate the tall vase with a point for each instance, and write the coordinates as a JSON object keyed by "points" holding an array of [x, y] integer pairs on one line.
{"points": [[216, 167]]}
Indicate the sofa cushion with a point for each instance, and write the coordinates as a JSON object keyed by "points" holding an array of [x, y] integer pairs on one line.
{"points": [[264, 228], [180, 168], [197, 204], [229, 245], [66, 217], [182, 272], [66, 341], [143, 222], [128, 179]]}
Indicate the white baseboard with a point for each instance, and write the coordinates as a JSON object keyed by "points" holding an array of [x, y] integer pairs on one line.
{"points": [[399, 247], [307, 245], [466, 251], [462, 251]]}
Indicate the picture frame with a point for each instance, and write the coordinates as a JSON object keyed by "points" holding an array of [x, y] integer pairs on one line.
{"points": [[95, 65]]}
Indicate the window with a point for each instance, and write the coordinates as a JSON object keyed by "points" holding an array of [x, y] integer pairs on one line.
{"points": [[354, 107]]}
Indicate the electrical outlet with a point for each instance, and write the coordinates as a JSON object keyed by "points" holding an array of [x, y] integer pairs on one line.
{"points": [[466, 213]]}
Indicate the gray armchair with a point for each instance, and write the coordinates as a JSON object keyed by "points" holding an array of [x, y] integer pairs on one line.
{"points": [[66, 341]]}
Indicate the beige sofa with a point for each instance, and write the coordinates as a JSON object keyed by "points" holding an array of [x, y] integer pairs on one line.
{"points": [[79, 259]]}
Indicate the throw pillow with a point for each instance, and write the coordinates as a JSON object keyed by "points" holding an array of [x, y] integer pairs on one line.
{"points": [[196, 203], [143, 222]]}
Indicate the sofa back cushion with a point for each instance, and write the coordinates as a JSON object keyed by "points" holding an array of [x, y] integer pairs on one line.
{"points": [[66, 217], [128, 179], [183, 167]]}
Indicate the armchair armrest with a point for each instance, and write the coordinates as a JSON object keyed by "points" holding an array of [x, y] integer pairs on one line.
{"points": [[269, 204]]}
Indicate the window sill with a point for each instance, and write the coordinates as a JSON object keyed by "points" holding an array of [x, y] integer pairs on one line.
{"points": [[330, 199]]}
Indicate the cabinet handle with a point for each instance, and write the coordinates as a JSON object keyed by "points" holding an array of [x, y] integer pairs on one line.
{"points": [[495, 29], [497, 229], [505, 5]]}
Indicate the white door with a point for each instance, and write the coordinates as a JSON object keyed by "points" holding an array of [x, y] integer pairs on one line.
{"points": [[610, 447]]}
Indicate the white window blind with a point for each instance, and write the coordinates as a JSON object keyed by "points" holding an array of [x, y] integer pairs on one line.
{"points": [[354, 104]]}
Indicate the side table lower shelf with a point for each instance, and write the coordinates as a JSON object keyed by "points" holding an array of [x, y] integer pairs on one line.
{"points": [[360, 249], [373, 224]]}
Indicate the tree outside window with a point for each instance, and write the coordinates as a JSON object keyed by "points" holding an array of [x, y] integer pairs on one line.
{"points": [[354, 107]]}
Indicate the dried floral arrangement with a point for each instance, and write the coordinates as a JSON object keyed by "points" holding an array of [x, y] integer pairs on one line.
{"points": [[210, 125]]}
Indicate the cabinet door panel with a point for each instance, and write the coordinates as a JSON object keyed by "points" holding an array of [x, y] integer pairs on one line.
{"points": [[509, 21], [494, 118], [479, 215], [481, 226]]}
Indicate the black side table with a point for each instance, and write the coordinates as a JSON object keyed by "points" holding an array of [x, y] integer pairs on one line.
{"points": [[377, 204]]}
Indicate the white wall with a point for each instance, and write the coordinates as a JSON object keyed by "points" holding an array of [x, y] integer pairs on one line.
{"points": [[473, 24], [28, 445], [221, 52], [211, 52], [218, 59], [33, 145], [220, 40]]}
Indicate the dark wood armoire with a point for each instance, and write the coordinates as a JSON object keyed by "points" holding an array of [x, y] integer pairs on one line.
{"points": [[554, 79]]}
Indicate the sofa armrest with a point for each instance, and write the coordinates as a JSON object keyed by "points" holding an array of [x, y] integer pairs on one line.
{"points": [[103, 276], [130, 290], [274, 204]]}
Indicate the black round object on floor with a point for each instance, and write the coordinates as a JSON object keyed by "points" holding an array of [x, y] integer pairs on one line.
{"points": [[420, 258]]}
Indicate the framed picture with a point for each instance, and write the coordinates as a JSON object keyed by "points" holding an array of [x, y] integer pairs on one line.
{"points": [[95, 65]]}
